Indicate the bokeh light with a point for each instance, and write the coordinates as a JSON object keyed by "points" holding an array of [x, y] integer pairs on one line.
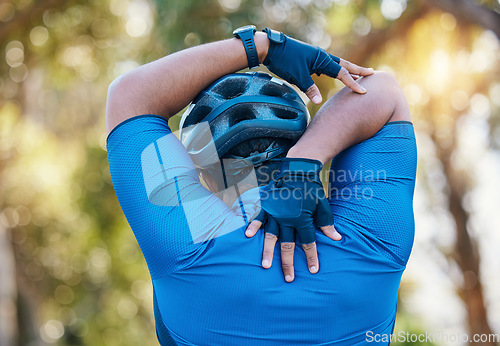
{"points": [[230, 5], [51, 331], [39, 35], [7, 11], [392, 9]]}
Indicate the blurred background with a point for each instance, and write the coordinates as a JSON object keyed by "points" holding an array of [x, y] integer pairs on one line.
{"points": [[71, 272]]}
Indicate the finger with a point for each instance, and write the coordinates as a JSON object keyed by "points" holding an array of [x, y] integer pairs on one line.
{"points": [[314, 95], [252, 228], [331, 232], [312, 257], [287, 250], [355, 69], [268, 252], [346, 78]]}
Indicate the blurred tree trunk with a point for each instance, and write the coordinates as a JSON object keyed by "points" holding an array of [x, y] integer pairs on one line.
{"points": [[28, 300], [469, 12], [465, 252], [8, 291], [465, 11], [375, 40], [18, 300]]}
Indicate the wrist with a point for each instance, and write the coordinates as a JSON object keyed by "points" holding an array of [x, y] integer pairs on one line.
{"points": [[262, 45], [298, 169], [296, 152], [293, 164]]}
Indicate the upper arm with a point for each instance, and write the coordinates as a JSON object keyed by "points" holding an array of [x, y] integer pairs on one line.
{"points": [[348, 118], [167, 85], [174, 218], [371, 188], [125, 100]]}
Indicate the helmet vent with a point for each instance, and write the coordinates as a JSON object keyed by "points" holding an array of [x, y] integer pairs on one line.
{"points": [[285, 112], [239, 113], [231, 88], [274, 89], [197, 115], [267, 108]]}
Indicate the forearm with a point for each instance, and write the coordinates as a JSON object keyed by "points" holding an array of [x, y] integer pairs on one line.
{"points": [[167, 85], [349, 118], [332, 130]]}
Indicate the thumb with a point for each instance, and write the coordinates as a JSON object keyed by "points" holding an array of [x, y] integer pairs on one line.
{"points": [[252, 228], [314, 95], [331, 232]]}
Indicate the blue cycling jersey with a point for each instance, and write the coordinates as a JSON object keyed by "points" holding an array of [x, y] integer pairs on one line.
{"points": [[213, 290]]}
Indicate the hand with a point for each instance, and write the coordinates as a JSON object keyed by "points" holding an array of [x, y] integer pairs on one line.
{"points": [[287, 249], [295, 61], [294, 198]]}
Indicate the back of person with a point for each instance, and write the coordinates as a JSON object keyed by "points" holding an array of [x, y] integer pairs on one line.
{"points": [[215, 292]]}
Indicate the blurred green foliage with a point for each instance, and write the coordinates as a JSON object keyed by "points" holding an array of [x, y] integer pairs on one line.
{"points": [[80, 274]]}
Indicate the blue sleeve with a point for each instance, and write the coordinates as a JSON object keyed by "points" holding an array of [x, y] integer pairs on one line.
{"points": [[173, 217], [371, 189]]}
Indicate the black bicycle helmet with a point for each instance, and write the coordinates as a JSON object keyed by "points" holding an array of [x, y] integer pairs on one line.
{"points": [[239, 107]]}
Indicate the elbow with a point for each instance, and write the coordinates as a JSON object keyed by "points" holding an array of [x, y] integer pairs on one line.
{"points": [[116, 91], [134, 93], [120, 101]]}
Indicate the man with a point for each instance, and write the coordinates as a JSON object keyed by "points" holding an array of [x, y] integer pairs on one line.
{"points": [[212, 289]]}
